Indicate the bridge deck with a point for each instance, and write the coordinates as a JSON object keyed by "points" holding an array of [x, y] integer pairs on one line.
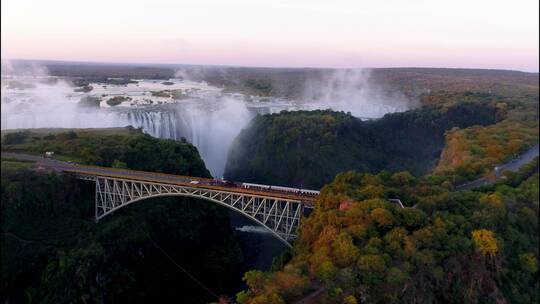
{"points": [[205, 183]]}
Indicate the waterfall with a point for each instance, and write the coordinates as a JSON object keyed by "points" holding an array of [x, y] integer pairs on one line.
{"points": [[210, 128]]}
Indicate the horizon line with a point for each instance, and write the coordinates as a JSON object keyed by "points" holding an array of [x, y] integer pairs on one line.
{"points": [[261, 66]]}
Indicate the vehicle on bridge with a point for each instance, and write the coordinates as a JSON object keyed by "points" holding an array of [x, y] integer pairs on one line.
{"points": [[298, 191], [269, 188]]}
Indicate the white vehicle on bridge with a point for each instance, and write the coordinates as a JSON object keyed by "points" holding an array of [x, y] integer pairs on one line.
{"points": [[280, 188], [255, 186]]}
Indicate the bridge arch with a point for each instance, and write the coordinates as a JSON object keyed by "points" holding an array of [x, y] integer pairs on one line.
{"points": [[278, 215]]}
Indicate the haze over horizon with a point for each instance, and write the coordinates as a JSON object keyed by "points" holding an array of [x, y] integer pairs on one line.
{"points": [[342, 34]]}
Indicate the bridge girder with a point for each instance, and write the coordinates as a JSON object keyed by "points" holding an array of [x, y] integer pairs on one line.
{"points": [[279, 215]]}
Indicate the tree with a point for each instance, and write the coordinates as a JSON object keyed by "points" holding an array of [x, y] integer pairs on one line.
{"points": [[403, 178], [485, 242], [382, 217], [529, 262], [242, 297], [326, 271], [345, 252], [254, 280], [350, 300]]}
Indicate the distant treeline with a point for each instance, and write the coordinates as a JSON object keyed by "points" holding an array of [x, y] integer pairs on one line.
{"points": [[291, 82]]}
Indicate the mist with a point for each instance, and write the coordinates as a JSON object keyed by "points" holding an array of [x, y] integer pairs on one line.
{"points": [[352, 90], [200, 73], [214, 132]]}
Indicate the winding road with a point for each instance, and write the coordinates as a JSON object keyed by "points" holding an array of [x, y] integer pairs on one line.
{"points": [[512, 166]]}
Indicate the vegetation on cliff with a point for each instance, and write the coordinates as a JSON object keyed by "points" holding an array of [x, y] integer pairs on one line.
{"points": [[54, 252], [358, 246]]}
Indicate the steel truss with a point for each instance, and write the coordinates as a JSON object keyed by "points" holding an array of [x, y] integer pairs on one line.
{"points": [[280, 216]]}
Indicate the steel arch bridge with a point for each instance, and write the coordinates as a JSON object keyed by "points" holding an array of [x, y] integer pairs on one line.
{"points": [[280, 215]]}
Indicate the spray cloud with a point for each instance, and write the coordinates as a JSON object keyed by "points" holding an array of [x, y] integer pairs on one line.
{"points": [[352, 90], [33, 99]]}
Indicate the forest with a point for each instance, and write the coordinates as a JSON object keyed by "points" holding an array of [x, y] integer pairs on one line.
{"points": [[116, 147], [444, 247], [54, 252], [308, 149]]}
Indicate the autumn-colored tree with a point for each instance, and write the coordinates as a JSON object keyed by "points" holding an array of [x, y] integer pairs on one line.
{"points": [[344, 251], [326, 237], [382, 217], [358, 231], [494, 202], [375, 252], [350, 300], [485, 242], [290, 282]]}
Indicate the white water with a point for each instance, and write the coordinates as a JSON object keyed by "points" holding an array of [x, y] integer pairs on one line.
{"points": [[50, 105]]}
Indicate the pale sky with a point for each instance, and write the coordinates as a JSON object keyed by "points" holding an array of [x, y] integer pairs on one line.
{"points": [[293, 33]]}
